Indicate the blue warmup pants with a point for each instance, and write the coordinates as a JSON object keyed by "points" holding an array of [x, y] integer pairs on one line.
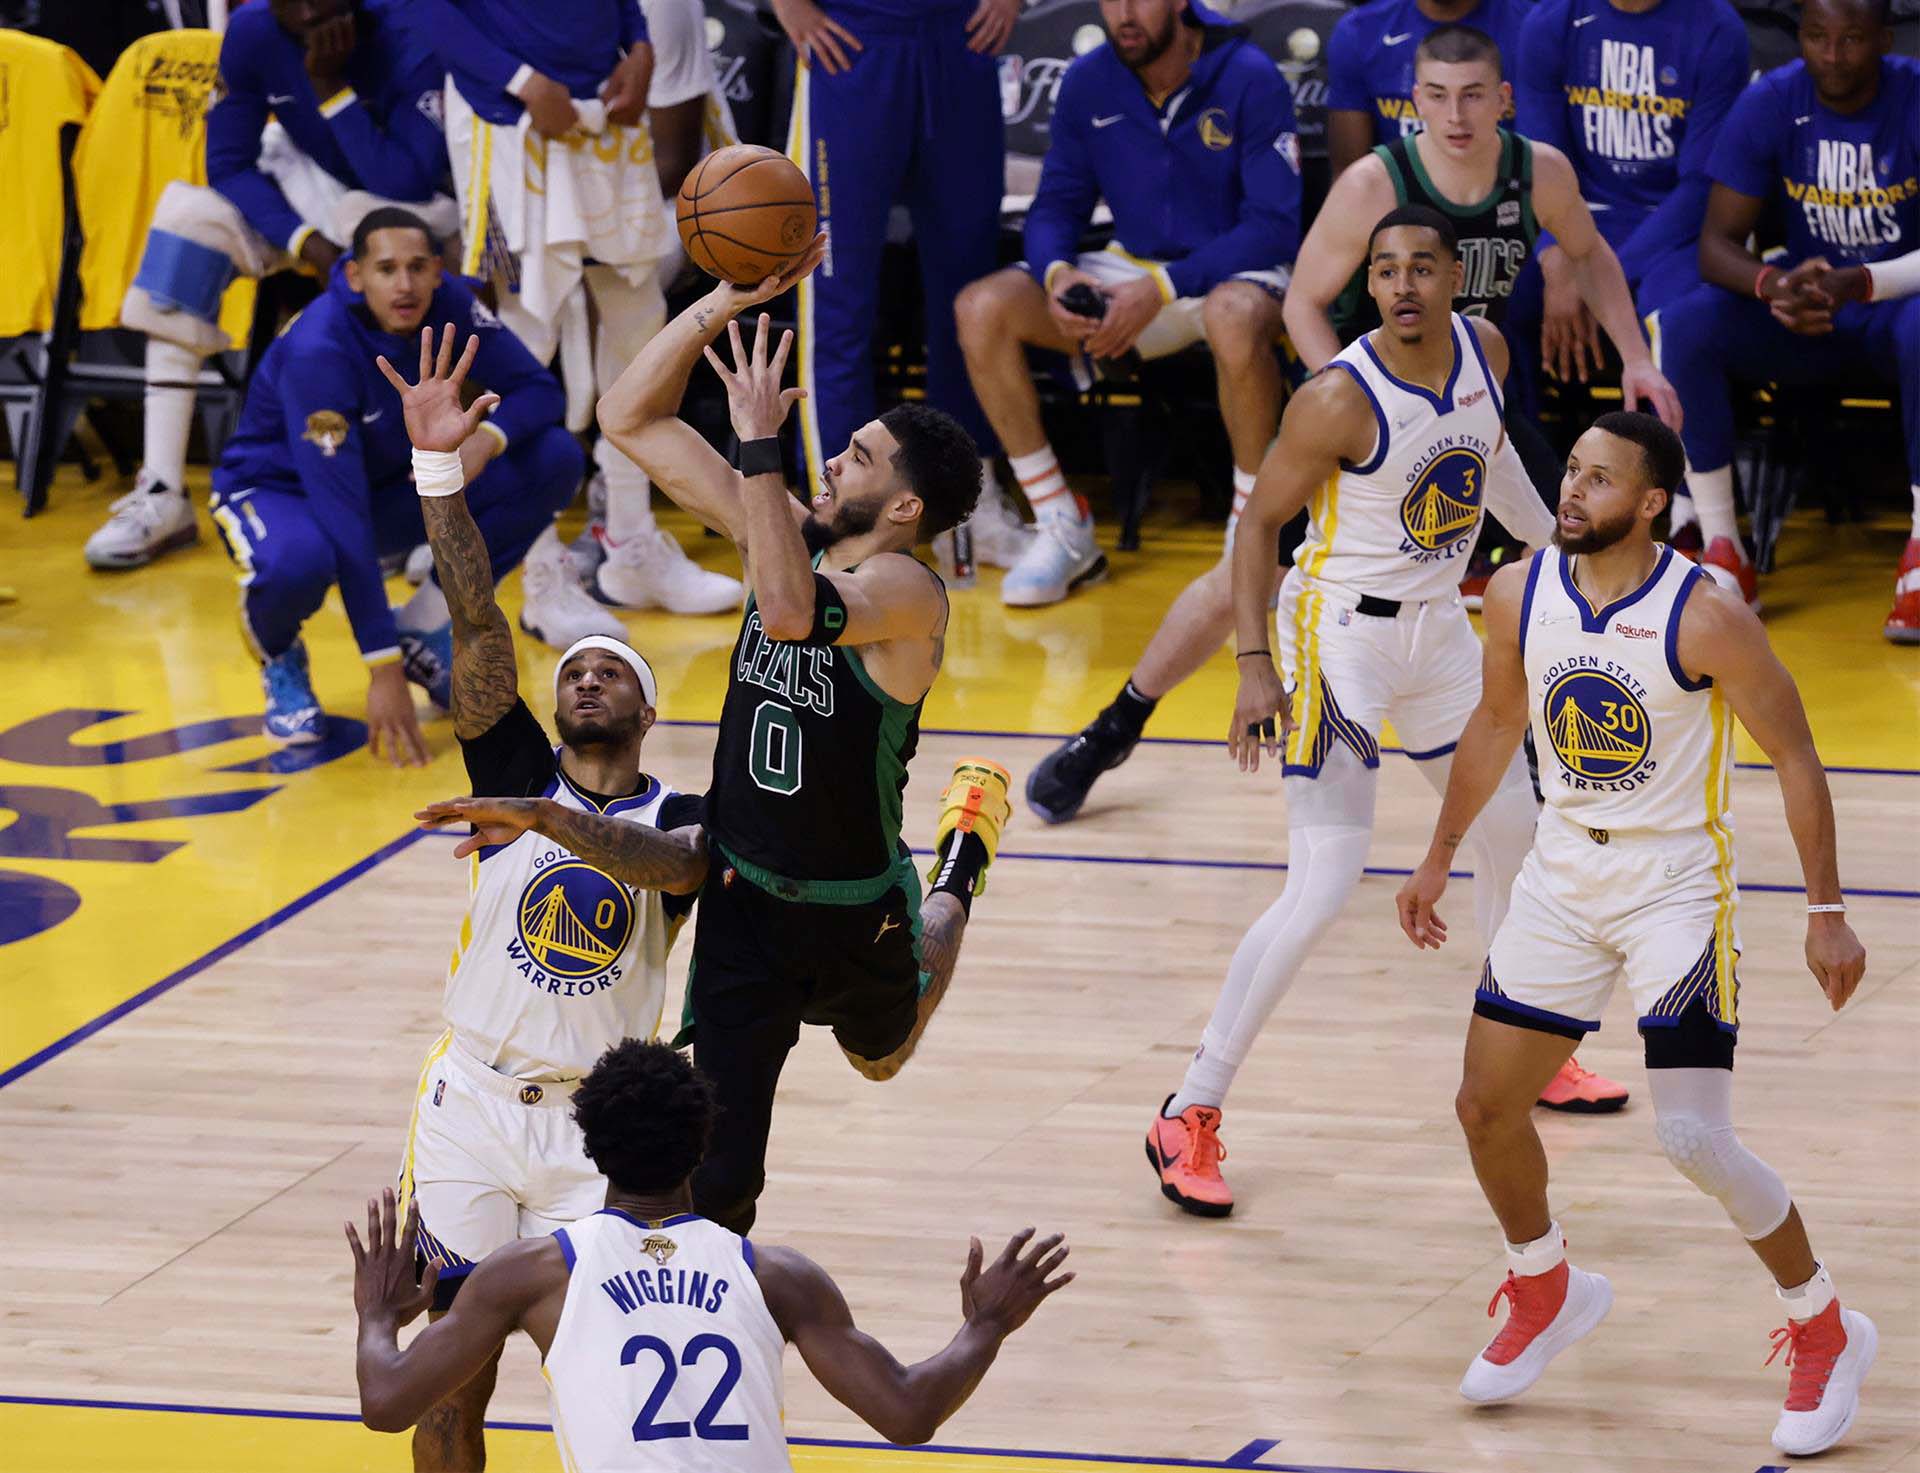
{"points": [[915, 120], [1710, 337], [288, 562]]}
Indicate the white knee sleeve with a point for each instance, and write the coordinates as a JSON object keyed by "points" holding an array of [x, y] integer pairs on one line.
{"points": [[1693, 1119]]}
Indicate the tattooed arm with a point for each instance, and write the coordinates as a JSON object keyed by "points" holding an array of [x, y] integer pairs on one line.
{"points": [[636, 854], [486, 679]]}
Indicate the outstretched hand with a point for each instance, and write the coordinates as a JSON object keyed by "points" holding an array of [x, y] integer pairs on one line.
{"points": [[435, 420], [755, 399], [1003, 1296], [495, 820], [384, 1285]]}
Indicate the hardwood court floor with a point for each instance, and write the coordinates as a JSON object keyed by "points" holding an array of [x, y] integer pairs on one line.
{"points": [[176, 1177]]}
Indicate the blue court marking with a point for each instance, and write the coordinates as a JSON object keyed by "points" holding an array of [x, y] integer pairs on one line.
{"points": [[1238, 1461]]}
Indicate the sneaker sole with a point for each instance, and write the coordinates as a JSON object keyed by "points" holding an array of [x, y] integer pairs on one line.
{"points": [[105, 564], [1897, 635], [1870, 1337], [1096, 572], [1568, 1336], [1586, 1107], [299, 739], [1174, 1195]]}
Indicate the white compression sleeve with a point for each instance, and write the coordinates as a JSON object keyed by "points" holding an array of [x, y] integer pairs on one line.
{"points": [[1899, 277], [1513, 498], [1693, 1117]]}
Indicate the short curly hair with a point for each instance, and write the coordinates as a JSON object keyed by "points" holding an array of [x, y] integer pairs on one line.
{"points": [[646, 1114], [939, 462]]}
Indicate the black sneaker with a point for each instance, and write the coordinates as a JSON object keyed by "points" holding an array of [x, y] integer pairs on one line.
{"points": [[1060, 783]]}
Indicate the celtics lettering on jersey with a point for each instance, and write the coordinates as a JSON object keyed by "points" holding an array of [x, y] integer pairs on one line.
{"points": [[1851, 202], [1627, 116], [802, 677]]}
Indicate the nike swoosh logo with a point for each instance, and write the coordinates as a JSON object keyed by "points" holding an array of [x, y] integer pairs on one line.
{"points": [[274, 100], [1585, 20], [367, 419], [1108, 122], [1395, 40], [1401, 424]]}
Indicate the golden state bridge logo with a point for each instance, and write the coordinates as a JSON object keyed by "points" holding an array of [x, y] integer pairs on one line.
{"points": [[1599, 731], [1443, 505], [574, 920]]}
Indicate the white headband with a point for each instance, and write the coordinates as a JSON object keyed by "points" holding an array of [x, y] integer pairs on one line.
{"points": [[642, 671]]}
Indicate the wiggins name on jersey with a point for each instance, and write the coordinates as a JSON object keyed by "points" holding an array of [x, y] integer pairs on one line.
{"points": [[1400, 524], [557, 960]]}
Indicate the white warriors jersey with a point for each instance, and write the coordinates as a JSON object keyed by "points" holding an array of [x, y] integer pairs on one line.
{"points": [[666, 1356], [557, 961], [1400, 524], [1626, 739]]}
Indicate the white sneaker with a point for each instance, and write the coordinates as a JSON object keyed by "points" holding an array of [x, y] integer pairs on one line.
{"points": [[650, 570], [1536, 1330], [1828, 1357], [419, 563], [1062, 557], [555, 609], [1000, 537], [150, 519]]}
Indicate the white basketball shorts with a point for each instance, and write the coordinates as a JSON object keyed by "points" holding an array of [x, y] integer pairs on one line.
{"points": [[1593, 905]]}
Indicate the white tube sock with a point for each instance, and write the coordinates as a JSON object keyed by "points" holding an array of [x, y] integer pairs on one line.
{"points": [[1045, 486], [1713, 500], [1807, 1300], [629, 493], [1544, 1254], [1916, 512], [169, 411]]}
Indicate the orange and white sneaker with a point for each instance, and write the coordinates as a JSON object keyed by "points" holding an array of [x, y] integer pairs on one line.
{"points": [[1582, 1092], [1903, 624], [1726, 563], [1185, 1153], [1546, 1313], [1827, 1357]]}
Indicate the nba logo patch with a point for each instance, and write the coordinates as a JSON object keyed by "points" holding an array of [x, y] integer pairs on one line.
{"points": [[439, 1091]]}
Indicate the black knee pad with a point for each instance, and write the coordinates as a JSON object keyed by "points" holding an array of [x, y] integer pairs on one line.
{"points": [[1696, 1041]]}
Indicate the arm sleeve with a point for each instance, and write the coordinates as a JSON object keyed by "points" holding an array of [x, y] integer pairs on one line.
{"points": [[1347, 68], [1063, 204], [234, 126], [1515, 500], [633, 24], [458, 44], [406, 159], [1267, 232], [510, 759], [1540, 94], [531, 398], [342, 500]]}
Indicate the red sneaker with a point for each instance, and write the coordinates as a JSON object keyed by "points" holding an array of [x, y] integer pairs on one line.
{"points": [[1903, 624], [1582, 1092], [1725, 561], [1828, 1356], [1546, 1313], [1186, 1153]]}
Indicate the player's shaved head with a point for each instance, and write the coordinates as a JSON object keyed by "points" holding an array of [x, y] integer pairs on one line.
{"points": [[1842, 42]]}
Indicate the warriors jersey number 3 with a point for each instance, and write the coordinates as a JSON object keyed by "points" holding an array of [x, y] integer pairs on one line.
{"points": [[1400, 523], [557, 961]]}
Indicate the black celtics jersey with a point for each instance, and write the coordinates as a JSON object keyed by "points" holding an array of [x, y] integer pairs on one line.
{"points": [[1496, 234], [811, 761]]}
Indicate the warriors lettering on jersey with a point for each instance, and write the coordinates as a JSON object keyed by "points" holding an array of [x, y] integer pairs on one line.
{"points": [[1440, 513], [802, 675], [1627, 117], [574, 921], [1597, 725], [1851, 203]]}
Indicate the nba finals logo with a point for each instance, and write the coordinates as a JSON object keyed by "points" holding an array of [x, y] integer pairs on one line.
{"points": [[1442, 506], [659, 1247], [573, 924], [1598, 726]]}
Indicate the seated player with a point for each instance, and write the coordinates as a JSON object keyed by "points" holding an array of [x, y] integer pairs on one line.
{"points": [[1183, 126], [1832, 143], [324, 113], [316, 484], [1370, 66], [661, 1333]]}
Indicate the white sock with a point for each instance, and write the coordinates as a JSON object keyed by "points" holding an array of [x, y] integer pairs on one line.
{"points": [[1916, 512], [426, 611], [169, 411], [1713, 500], [1242, 489], [1681, 512], [1045, 485], [1811, 1298], [629, 493], [1542, 1255]]}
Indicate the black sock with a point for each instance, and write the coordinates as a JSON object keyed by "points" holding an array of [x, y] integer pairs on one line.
{"points": [[1129, 710], [960, 868]]}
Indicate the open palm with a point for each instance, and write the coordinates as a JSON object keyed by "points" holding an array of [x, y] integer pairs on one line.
{"points": [[435, 420]]}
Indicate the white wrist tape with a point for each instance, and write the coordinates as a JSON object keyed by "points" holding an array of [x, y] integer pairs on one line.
{"points": [[438, 472], [1899, 277]]}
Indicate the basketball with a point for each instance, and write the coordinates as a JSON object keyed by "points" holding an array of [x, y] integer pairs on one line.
{"points": [[745, 213]]}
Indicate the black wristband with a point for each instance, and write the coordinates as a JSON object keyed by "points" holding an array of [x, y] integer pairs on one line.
{"points": [[761, 458], [1245, 653]]}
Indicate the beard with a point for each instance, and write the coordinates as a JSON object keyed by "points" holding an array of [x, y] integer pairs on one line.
{"points": [[1156, 46], [1598, 537], [850, 519], [598, 730]]}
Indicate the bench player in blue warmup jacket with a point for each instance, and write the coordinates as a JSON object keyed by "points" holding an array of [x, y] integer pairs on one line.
{"points": [[1832, 142], [1186, 129], [1370, 65], [324, 113], [316, 483]]}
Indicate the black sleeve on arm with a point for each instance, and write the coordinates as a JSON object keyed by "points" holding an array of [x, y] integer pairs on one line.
{"points": [[513, 758]]}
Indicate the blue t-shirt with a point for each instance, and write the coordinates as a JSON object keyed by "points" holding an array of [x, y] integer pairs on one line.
{"points": [[1370, 57], [1851, 181], [483, 43], [1633, 100]]}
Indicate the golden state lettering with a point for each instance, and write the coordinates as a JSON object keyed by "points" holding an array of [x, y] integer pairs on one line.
{"points": [[1625, 117], [800, 674], [1848, 205]]}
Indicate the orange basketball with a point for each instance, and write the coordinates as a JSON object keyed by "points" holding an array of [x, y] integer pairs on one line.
{"points": [[745, 213]]}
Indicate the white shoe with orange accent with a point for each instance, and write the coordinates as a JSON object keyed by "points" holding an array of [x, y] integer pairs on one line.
{"points": [[1903, 624], [1828, 1357], [1062, 557], [1546, 1314]]}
